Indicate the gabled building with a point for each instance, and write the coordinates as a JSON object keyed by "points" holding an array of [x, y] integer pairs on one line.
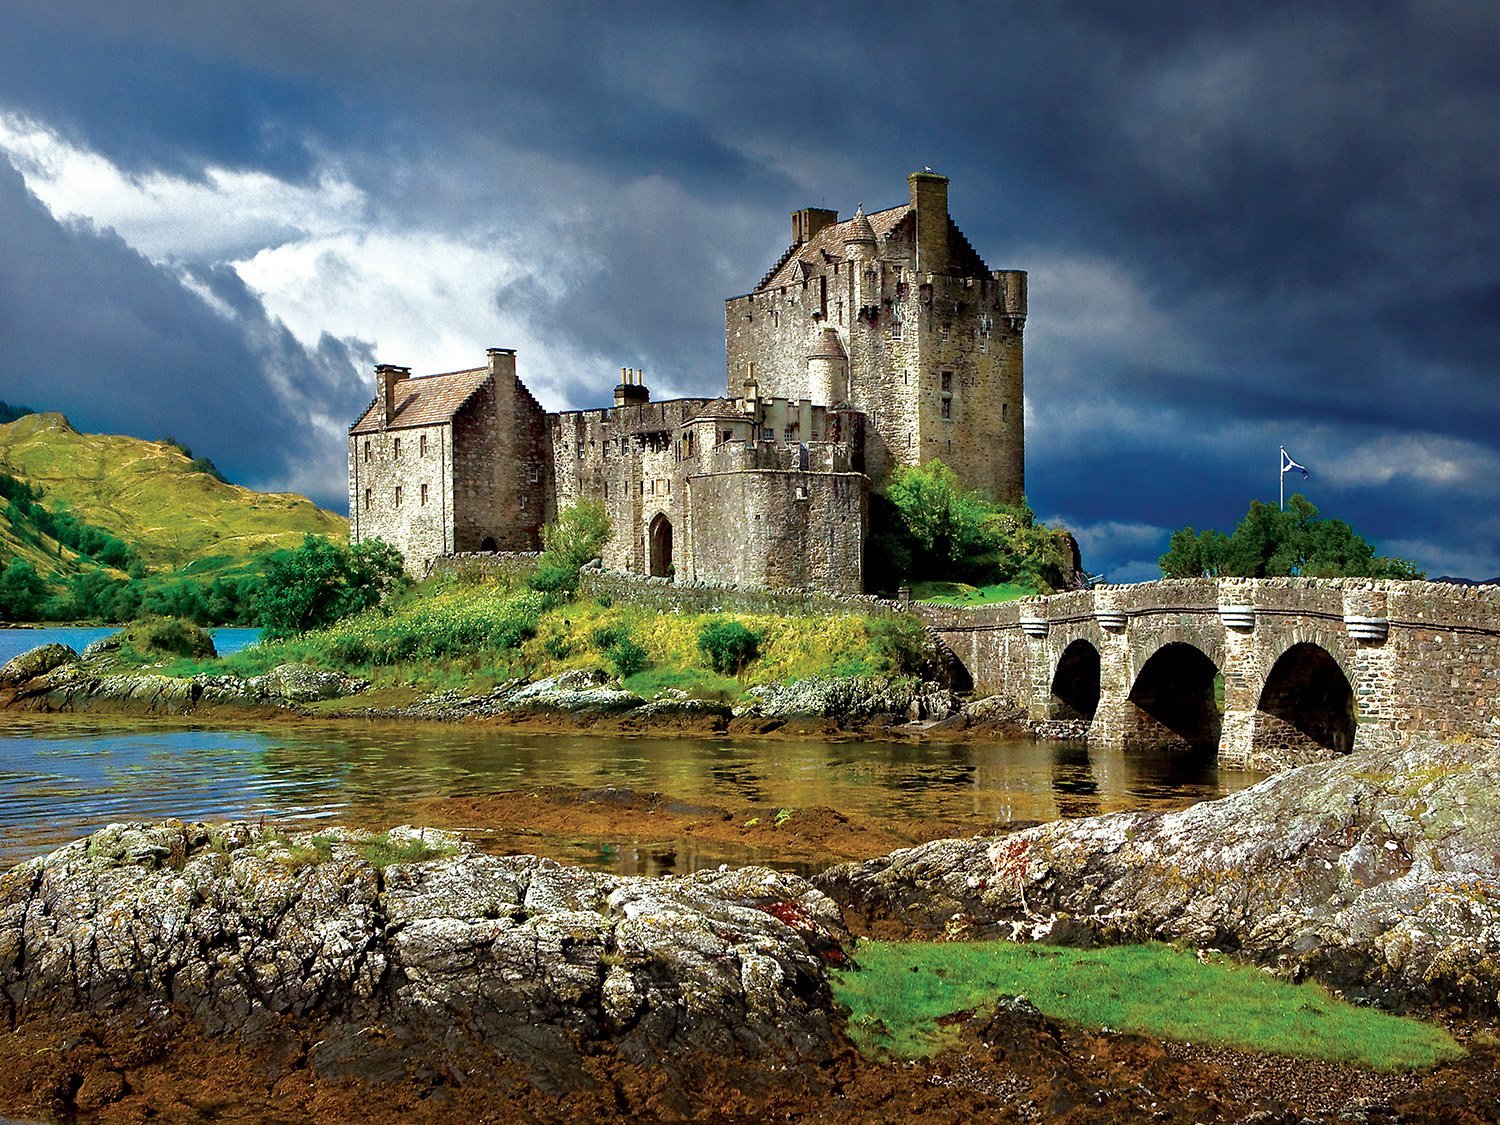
{"points": [[873, 342]]}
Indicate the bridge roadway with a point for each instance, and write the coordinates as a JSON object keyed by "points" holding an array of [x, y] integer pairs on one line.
{"points": [[1309, 668]]}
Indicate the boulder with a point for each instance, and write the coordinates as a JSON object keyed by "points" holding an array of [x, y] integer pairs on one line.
{"points": [[1378, 872], [35, 662], [848, 697], [413, 953]]}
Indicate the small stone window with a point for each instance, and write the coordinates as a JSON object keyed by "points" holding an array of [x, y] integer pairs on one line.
{"points": [[398, 496], [791, 433], [367, 492], [767, 434], [948, 407], [536, 474], [367, 450], [422, 446], [424, 496], [523, 501], [946, 329], [897, 328], [947, 378], [396, 449]]}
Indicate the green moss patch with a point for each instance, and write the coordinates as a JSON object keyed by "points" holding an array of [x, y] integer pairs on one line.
{"points": [[903, 989], [960, 593]]}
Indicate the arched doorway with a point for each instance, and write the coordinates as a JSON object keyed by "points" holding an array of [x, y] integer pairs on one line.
{"points": [[489, 544], [1306, 709], [1075, 684], [659, 546], [1173, 702]]}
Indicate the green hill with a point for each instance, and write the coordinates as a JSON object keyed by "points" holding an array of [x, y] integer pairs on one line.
{"points": [[150, 495]]}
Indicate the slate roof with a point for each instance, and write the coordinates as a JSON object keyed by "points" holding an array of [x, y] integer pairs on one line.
{"points": [[425, 401], [828, 245]]}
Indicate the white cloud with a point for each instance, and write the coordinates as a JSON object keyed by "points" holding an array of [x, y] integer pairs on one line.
{"points": [[175, 218]]}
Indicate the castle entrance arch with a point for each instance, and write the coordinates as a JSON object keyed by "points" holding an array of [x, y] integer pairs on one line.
{"points": [[1075, 683], [489, 544], [1306, 709], [659, 546], [1172, 704]]}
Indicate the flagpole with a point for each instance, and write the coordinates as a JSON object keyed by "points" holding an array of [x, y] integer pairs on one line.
{"points": [[1282, 476]]}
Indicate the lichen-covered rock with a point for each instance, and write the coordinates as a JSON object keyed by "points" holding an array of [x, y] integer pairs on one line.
{"points": [[1378, 872], [413, 943], [848, 697], [35, 662], [576, 691]]}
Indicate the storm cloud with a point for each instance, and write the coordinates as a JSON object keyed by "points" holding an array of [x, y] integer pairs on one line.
{"points": [[1245, 226]]}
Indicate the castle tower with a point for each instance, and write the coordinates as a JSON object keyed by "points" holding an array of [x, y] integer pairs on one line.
{"points": [[827, 368]]}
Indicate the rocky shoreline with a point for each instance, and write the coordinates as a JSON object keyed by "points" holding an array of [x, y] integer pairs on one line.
{"points": [[54, 678], [410, 963]]}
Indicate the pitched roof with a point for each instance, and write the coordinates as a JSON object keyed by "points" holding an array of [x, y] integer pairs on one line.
{"points": [[828, 245], [424, 401]]}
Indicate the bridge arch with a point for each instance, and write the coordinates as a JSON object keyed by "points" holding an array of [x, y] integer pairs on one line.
{"points": [[1076, 682], [1306, 708], [1172, 702]]}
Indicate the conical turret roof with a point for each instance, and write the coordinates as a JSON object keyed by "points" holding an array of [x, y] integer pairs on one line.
{"points": [[860, 229], [827, 345]]}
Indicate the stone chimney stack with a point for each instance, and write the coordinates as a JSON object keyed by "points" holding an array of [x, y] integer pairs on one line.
{"points": [[807, 222], [502, 362], [632, 387], [929, 199], [388, 377]]}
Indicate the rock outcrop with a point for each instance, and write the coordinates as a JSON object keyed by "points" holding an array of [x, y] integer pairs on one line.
{"points": [[411, 953], [849, 697], [1378, 872]]}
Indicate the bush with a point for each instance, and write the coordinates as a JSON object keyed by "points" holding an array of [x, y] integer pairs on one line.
{"points": [[321, 582], [625, 654], [581, 530], [156, 638], [900, 644], [728, 646]]}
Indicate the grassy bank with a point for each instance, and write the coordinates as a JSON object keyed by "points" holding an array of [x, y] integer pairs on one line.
{"points": [[471, 633], [903, 990]]}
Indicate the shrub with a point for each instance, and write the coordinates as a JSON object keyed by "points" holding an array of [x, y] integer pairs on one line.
{"points": [[900, 644], [728, 646], [625, 654], [321, 582], [155, 638]]}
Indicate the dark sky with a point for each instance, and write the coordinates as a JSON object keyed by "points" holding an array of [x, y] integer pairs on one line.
{"points": [[1246, 225]]}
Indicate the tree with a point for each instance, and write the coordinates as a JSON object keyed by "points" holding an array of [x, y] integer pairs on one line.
{"points": [[1271, 543], [927, 526], [581, 530], [319, 583], [23, 594]]}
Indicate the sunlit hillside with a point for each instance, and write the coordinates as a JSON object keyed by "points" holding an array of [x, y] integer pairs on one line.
{"points": [[150, 495]]}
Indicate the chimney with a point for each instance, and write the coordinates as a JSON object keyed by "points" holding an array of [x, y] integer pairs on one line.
{"points": [[387, 378], [502, 361], [807, 222], [929, 200], [632, 387]]}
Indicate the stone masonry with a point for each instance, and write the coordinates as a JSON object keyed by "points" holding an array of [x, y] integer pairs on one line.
{"points": [[879, 341], [1310, 668]]}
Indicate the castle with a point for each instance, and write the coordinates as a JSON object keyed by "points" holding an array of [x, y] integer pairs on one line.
{"points": [[874, 342]]}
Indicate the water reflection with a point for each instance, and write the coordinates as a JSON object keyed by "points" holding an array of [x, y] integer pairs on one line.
{"points": [[61, 777]]}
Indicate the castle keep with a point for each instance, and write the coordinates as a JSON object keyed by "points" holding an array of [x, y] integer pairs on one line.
{"points": [[879, 341]]}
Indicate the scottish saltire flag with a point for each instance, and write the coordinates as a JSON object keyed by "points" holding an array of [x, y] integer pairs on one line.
{"points": [[1288, 465]]}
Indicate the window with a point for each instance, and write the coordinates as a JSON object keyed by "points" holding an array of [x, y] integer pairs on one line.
{"points": [[523, 501], [791, 432], [424, 496], [946, 329], [367, 499], [767, 434], [398, 496], [367, 449], [897, 329], [947, 406], [396, 447], [422, 446], [947, 380], [536, 474]]}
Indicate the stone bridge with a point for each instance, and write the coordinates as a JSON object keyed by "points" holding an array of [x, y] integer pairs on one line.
{"points": [[1270, 672]]}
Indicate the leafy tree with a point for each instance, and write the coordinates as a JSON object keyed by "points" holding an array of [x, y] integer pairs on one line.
{"points": [[927, 526], [1272, 543], [316, 584], [581, 530], [23, 594]]}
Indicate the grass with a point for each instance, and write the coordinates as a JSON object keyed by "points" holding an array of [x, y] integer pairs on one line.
{"points": [[699, 683], [959, 593], [901, 990], [381, 851]]}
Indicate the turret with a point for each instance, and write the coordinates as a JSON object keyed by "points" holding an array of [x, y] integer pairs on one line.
{"points": [[929, 200], [859, 243], [827, 368]]}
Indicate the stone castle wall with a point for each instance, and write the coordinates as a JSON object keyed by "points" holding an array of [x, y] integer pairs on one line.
{"points": [[401, 491]]}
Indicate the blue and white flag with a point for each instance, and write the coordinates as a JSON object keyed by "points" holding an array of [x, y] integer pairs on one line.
{"points": [[1288, 465]]}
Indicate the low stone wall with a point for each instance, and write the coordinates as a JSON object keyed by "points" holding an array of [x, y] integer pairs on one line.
{"points": [[668, 596], [500, 564]]}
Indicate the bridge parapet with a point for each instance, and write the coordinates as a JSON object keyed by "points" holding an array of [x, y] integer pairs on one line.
{"points": [[1300, 659]]}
